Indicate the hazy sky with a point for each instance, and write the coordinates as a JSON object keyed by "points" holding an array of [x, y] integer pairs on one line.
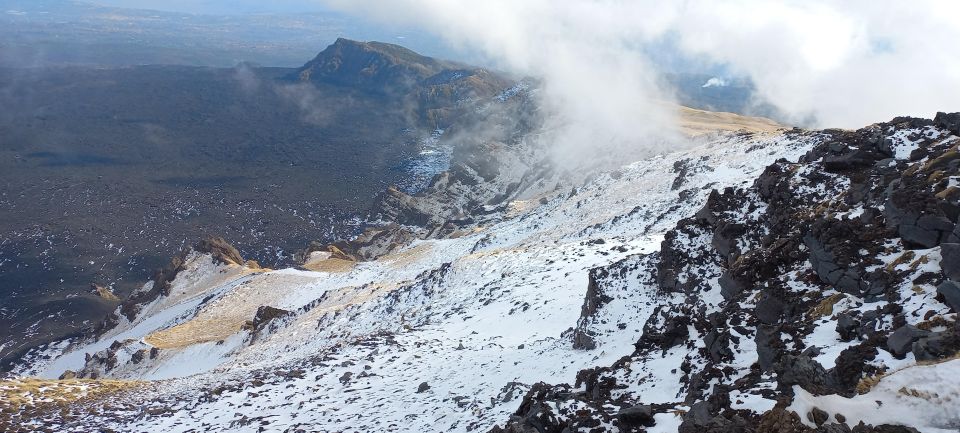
{"points": [[220, 7], [847, 63]]}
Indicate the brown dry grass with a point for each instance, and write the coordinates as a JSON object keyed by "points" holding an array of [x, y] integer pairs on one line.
{"points": [[904, 258], [698, 122], [920, 261], [18, 394], [331, 265], [195, 332], [227, 314], [407, 256], [105, 293], [825, 307]]}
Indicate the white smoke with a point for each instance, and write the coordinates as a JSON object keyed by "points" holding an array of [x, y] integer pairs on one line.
{"points": [[848, 63], [842, 63], [598, 88]]}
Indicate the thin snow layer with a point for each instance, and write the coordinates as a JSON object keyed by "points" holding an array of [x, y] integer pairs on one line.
{"points": [[446, 334], [202, 277], [904, 141], [922, 396]]}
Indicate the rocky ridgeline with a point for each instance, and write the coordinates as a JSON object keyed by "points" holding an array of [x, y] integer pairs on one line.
{"points": [[822, 277], [441, 91]]}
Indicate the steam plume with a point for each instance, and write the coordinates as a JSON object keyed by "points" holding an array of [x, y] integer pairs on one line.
{"points": [[842, 64]]}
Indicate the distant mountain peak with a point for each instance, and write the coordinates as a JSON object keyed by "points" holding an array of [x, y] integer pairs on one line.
{"points": [[372, 65]]}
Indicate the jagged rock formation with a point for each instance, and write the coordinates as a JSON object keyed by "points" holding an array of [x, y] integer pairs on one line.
{"points": [[831, 271]]}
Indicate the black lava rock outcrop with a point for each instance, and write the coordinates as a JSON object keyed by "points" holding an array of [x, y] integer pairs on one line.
{"points": [[858, 241]]}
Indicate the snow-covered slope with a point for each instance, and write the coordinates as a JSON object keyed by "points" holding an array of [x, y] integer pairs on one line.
{"points": [[641, 286]]}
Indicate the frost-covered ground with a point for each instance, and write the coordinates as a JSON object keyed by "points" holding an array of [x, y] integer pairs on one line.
{"points": [[450, 334], [478, 318]]}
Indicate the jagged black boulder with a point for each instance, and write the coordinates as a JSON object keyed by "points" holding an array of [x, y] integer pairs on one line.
{"points": [[950, 263], [948, 121], [950, 291], [900, 342], [938, 345], [635, 416]]}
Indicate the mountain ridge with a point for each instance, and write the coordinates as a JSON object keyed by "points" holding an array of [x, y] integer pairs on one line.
{"points": [[144, 161], [711, 304]]}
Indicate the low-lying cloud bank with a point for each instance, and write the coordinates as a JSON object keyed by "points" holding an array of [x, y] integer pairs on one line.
{"points": [[828, 63]]}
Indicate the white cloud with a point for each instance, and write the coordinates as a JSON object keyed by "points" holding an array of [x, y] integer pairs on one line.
{"points": [[848, 63]]}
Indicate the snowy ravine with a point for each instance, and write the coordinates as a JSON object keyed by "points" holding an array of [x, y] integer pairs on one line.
{"points": [[621, 287]]}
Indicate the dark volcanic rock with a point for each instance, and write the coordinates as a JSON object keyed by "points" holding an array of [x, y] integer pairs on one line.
{"points": [[535, 414], [672, 332], [583, 341], [768, 346], [820, 229], [948, 121], [851, 366], [778, 420], [265, 315], [938, 345], [950, 291], [833, 270], [139, 356], [818, 416], [718, 345], [950, 264], [925, 231], [803, 371], [884, 428], [769, 309], [730, 285], [901, 341], [635, 416], [854, 159], [725, 238], [847, 326]]}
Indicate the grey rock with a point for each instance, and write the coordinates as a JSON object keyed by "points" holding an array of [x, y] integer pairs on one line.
{"points": [[818, 416], [139, 356], [937, 346], [950, 264], [846, 280], [854, 159], [868, 323], [804, 371], [948, 121], [583, 341], [950, 291], [423, 387], [699, 413], [924, 231], [725, 238], [640, 415], [767, 338], [833, 428], [769, 309], [730, 287], [847, 326], [718, 345], [900, 342]]}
